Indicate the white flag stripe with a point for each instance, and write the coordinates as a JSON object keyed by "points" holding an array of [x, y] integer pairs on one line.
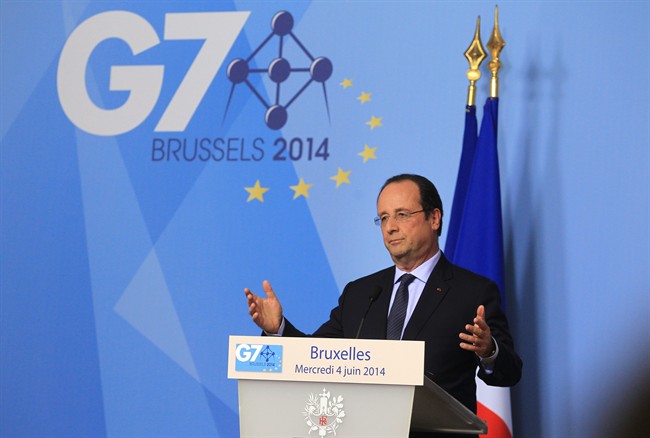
{"points": [[497, 399]]}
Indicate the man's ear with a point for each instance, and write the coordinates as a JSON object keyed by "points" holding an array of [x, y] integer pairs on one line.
{"points": [[435, 219]]}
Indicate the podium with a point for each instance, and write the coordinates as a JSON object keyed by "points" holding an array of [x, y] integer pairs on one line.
{"points": [[322, 387]]}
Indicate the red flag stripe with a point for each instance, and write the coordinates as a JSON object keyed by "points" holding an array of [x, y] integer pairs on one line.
{"points": [[497, 428]]}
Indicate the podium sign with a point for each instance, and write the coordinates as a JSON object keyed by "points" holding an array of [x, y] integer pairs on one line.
{"points": [[326, 360]]}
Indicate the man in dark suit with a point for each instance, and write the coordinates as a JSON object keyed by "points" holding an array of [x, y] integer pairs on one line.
{"points": [[456, 312]]}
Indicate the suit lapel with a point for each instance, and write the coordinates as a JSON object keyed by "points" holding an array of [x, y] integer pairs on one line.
{"points": [[433, 294]]}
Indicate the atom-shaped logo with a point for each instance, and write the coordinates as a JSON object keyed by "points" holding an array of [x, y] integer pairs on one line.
{"points": [[267, 353], [320, 69]]}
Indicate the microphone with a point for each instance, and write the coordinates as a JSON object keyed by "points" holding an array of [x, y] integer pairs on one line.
{"points": [[374, 293]]}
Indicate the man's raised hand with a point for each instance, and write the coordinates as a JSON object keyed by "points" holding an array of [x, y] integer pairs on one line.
{"points": [[266, 312]]}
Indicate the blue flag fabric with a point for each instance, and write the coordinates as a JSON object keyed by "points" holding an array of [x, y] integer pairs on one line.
{"points": [[477, 243], [470, 137]]}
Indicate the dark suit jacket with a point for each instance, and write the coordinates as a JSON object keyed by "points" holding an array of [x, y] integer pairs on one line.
{"points": [[448, 302]]}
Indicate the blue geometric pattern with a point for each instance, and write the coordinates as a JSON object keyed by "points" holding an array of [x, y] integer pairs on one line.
{"points": [[123, 257]]}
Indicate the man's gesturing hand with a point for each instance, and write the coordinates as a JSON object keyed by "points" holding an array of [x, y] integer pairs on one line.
{"points": [[266, 312], [478, 338]]}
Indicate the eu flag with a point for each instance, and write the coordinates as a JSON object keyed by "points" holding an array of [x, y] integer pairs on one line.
{"points": [[462, 182]]}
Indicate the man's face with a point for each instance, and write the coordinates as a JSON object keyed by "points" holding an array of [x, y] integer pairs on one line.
{"points": [[412, 241]]}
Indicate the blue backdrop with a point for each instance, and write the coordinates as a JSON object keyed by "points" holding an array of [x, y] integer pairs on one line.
{"points": [[145, 184]]}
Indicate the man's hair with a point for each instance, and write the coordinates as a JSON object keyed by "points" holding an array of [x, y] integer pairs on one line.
{"points": [[429, 197]]}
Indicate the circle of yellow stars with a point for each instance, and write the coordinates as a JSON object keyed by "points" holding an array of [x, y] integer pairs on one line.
{"points": [[256, 192]]}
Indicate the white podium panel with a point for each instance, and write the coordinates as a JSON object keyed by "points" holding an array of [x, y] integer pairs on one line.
{"points": [[312, 409]]}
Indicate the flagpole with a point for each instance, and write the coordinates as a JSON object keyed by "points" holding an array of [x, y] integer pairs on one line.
{"points": [[475, 55], [495, 44], [494, 403]]}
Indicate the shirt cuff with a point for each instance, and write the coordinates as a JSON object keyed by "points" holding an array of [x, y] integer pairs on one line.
{"points": [[487, 363], [280, 330]]}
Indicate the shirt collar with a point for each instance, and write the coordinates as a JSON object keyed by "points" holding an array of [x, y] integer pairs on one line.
{"points": [[422, 272]]}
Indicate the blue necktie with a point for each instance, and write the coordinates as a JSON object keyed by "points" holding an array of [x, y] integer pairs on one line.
{"points": [[398, 311]]}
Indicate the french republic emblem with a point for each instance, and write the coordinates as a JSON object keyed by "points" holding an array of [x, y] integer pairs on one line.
{"points": [[323, 413]]}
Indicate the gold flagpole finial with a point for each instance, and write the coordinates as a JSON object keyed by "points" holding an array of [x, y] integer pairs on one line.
{"points": [[475, 55], [495, 45]]}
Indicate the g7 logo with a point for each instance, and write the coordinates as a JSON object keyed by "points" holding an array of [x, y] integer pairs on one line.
{"points": [[243, 352], [218, 29]]}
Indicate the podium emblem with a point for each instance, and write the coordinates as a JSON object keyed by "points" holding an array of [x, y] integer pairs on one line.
{"points": [[324, 413], [258, 358]]}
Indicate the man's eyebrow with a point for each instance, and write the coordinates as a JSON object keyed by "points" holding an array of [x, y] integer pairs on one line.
{"points": [[397, 210]]}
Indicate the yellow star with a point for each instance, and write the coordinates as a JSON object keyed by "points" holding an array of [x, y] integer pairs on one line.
{"points": [[368, 153], [365, 97], [341, 177], [301, 189], [346, 83], [256, 192], [374, 122]]}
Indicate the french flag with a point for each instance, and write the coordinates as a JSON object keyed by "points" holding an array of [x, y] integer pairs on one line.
{"points": [[475, 237]]}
